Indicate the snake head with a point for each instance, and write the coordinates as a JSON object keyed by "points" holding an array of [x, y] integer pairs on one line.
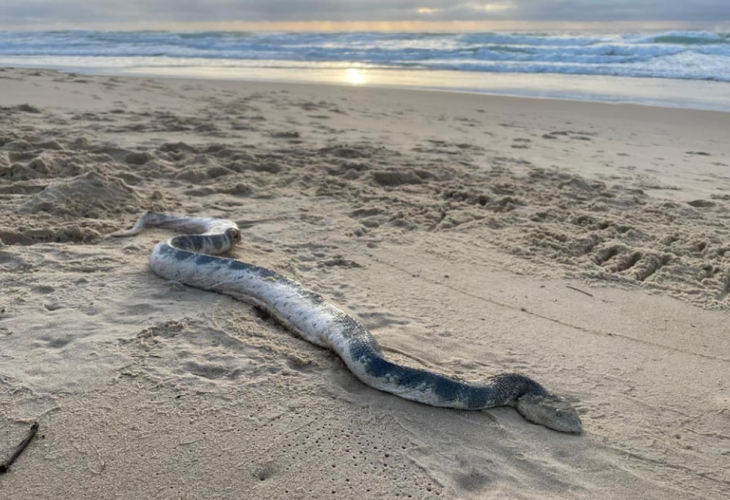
{"points": [[234, 234], [549, 410]]}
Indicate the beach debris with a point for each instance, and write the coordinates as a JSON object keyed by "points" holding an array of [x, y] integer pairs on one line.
{"points": [[579, 290], [5, 465]]}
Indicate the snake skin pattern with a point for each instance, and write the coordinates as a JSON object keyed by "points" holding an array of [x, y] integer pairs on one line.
{"points": [[192, 259]]}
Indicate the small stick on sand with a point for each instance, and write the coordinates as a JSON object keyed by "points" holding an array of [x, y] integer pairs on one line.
{"points": [[5, 466], [579, 290]]}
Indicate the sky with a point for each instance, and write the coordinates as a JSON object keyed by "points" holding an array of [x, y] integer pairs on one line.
{"points": [[353, 14]]}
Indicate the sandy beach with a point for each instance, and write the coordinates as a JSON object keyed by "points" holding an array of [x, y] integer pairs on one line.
{"points": [[586, 245]]}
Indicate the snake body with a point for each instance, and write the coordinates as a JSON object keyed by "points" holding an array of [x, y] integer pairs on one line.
{"points": [[192, 260]]}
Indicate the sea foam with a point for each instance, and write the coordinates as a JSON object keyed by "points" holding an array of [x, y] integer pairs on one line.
{"points": [[695, 55]]}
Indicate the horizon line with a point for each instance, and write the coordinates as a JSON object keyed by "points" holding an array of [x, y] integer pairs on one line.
{"points": [[385, 26]]}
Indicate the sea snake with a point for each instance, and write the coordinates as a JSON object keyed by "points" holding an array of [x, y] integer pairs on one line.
{"points": [[192, 260]]}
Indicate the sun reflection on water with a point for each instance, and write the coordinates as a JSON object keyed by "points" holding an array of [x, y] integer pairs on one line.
{"points": [[355, 76]]}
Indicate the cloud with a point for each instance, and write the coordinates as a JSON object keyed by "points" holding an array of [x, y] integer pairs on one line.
{"points": [[35, 12]]}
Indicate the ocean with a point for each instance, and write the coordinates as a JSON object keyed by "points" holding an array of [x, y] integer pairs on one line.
{"points": [[676, 68]]}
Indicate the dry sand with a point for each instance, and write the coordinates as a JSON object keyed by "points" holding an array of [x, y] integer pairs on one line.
{"points": [[586, 245]]}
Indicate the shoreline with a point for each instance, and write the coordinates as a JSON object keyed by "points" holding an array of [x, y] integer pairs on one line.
{"points": [[650, 92]]}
